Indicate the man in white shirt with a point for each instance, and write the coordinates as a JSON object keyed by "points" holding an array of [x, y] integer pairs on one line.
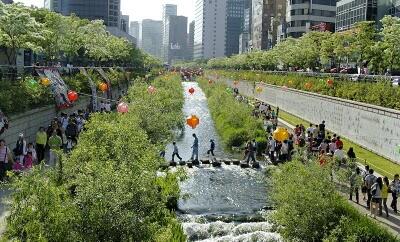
{"points": [[310, 130], [339, 154], [271, 146]]}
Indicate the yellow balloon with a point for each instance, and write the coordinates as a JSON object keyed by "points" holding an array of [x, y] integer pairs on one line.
{"points": [[281, 134], [45, 82], [259, 89]]}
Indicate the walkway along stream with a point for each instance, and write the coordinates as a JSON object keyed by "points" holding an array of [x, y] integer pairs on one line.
{"points": [[226, 203]]}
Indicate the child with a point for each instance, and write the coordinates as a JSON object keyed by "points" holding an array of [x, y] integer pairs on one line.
{"points": [[17, 167], [34, 154], [28, 160]]}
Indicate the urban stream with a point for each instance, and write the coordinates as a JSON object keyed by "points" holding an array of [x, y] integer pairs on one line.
{"points": [[219, 204]]}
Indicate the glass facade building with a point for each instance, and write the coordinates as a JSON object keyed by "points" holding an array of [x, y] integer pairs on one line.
{"points": [[302, 15], [106, 10], [152, 37], [234, 25], [176, 37]]}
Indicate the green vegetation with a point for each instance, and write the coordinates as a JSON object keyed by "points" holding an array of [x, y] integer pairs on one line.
{"points": [[310, 209], [233, 119], [381, 93], [379, 50], [107, 189]]}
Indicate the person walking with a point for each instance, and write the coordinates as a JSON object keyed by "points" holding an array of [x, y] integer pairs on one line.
{"points": [[175, 152], [212, 148], [395, 188], [41, 141], [370, 180], [376, 193], [5, 158], [355, 181], [195, 148], [364, 187], [250, 152], [271, 146], [55, 143], [20, 148], [385, 194]]}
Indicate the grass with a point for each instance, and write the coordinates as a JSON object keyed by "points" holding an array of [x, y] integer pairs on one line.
{"points": [[380, 164]]}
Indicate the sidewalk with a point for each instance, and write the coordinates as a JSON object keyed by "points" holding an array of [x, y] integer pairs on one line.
{"points": [[392, 223]]}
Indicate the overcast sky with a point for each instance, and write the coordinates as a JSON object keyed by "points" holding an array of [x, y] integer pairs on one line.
{"points": [[142, 9]]}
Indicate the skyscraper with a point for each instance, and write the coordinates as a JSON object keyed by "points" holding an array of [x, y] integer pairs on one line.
{"points": [[191, 40], [234, 25], [175, 46], [134, 29], [106, 10], [210, 24], [7, 1], [263, 12], [168, 10], [124, 23], [152, 37]]}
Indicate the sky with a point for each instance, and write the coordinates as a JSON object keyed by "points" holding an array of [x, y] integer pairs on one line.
{"points": [[142, 9]]}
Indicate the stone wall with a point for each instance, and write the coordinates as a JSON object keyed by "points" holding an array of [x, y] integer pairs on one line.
{"points": [[373, 127], [29, 122]]}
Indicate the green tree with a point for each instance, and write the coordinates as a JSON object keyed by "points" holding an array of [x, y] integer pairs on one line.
{"points": [[18, 30], [391, 41], [362, 41]]}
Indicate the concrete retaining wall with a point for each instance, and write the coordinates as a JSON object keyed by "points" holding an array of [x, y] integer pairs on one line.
{"points": [[29, 122], [373, 127]]}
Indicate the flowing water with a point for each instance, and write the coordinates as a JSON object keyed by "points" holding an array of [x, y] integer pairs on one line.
{"points": [[220, 204]]}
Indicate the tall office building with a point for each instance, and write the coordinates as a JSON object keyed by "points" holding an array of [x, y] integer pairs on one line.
{"points": [[134, 29], [244, 38], [168, 10], [350, 12], [106, 10], [302, 15], [152, 37], [234, 25], [175, 45], [7, 1], [124, 23], [190, 40], [210, 24], [263, 12]]}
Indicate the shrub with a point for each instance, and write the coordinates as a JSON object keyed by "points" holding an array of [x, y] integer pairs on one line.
{"points": [[310, 209]]}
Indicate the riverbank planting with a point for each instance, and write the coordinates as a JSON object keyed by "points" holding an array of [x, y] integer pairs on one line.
{"points": [[108, 188]]}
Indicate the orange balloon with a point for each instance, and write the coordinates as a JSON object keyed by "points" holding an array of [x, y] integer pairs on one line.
{"points": [[330, 82], [236, 83], [103, 87], [290, 82], [308, 85], [193, 121], [210, 81]]}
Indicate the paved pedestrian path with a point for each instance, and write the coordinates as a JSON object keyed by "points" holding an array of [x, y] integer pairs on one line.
{"points": [[392, 223]]}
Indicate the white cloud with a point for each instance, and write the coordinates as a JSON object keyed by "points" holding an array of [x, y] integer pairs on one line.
{"points": [[141, 9]]}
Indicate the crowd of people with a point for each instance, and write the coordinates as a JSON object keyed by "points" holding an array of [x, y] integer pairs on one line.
{"points": [[61, 134]]}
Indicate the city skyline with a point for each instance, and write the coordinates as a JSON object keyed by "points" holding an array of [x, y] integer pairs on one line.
{"points": [[137, 10]]}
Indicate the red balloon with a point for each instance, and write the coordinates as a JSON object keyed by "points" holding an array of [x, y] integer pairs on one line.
{"points": [[122, 107], [72, 96], [191, 90]]}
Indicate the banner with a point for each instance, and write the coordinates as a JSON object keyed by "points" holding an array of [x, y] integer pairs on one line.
{"points": [[105, 77], [57, 87], [92, 88]]}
